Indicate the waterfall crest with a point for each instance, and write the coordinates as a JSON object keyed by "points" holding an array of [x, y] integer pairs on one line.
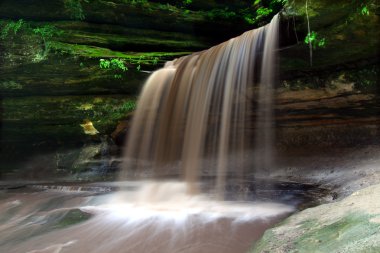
{"points": [[196, 109]]}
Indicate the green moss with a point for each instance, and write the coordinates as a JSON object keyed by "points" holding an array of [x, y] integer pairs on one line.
{"points": [[350, 233], [353, 233], [345, 34], [8, 27], [363, 79], [146, 58], [263, 246], [10, 85], [60, 117]]}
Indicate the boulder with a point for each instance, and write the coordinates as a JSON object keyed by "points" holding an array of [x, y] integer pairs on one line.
{"points": [[349, 225]]}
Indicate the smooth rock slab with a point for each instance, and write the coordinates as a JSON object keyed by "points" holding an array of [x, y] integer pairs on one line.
{"points": [[351, 225]]}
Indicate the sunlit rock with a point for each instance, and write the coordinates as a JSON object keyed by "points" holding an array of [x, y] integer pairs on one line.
{"points": [[89, 128]]}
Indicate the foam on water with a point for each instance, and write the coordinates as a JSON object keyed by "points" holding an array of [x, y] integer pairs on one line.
{"points": [[195, 108], [169, 200], [200, 107], [156, 218]]}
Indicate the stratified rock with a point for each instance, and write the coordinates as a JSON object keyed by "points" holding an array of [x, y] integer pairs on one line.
{"points": [[350, 36]]}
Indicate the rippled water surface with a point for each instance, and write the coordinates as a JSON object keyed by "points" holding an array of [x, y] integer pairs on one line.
{"points": [[147, 217]]}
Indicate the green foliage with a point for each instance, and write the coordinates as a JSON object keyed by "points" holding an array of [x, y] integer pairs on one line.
{"points": [[262, 10], [111, 110], [322, 42], [313, 39], [104, 64], [118, 65], [271, 3], [364, 10], [74, 7], [10, 85], [187, 2], [47, 32], [12, 26], [128, 106]]}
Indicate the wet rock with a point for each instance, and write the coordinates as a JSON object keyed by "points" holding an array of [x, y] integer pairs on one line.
{"points": [[72, 217], [119, 135], [349, 225], [50, 126], [94, 160]]}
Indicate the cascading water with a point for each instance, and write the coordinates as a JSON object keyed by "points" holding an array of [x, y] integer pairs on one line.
{"points": [[196, 109], [193, 114]]}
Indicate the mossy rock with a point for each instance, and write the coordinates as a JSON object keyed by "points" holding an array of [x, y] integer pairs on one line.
{"points": [[141, 15], [72, 217], [52, 126], [59, 117], [60, 66], [348, 226], [349, 35]]}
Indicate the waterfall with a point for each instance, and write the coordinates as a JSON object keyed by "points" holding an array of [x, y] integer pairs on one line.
{"points": [[197, 109]]}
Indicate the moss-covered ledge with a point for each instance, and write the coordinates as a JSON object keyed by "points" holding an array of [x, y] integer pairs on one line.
{"points": [[134, 14]]}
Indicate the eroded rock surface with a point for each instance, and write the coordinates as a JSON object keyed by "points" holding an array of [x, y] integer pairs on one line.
{"points": [[349, 225]]}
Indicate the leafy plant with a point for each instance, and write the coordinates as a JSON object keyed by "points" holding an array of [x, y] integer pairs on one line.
{"points": [[364, 10], [261, 10], [47, 32], [13, 26], [313, 39], [129, 106], [114, 64]]}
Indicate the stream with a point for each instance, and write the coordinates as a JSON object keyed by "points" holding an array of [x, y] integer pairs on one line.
{"points": [[142, 217]]}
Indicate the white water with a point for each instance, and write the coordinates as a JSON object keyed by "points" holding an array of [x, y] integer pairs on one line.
{"points": [[140, 221], [194, 109]]}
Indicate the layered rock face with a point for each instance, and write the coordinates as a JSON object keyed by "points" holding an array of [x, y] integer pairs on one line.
{"points": [[64, 63], [330, 88], [67, 62]]}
